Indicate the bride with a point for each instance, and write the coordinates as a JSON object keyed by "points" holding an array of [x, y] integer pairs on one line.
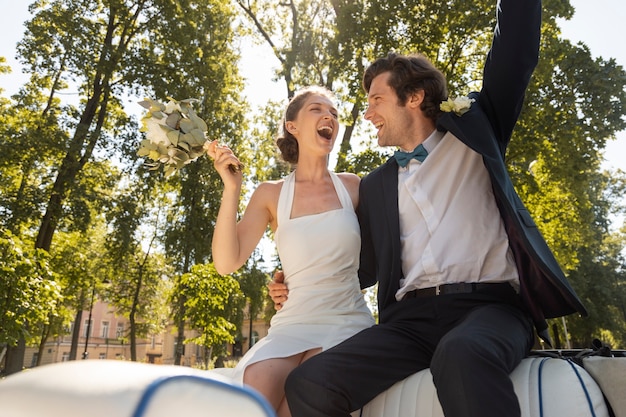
{"points": [[311, 213]]}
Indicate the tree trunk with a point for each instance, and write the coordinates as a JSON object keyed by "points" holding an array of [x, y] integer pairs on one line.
{"points": [[180, 338], [42, 344], [76, 334], [15, 357], [133, 338]]}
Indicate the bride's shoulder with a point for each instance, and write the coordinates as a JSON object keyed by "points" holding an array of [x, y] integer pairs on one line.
{"points": [[350, 180], [269, 189], [272, 184]]}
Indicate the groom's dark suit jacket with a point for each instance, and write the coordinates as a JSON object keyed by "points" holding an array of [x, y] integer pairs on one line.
{"points": [[486, 128]]}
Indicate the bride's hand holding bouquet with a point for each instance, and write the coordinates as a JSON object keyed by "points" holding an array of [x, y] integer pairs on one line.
{"points": [[225, 162]]}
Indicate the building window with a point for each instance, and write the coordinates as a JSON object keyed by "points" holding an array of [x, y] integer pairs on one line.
{"points": [[88, 329], [153, 342], [65, 357], [33, 362], [105, 329], [102, 356], [255, 338], [119, 333]]}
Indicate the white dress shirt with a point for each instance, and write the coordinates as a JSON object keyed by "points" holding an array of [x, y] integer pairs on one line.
{"points": [[450, 227]]}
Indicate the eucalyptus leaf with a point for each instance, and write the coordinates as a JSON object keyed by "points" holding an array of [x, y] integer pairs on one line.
{"points": [[147, 143], [184, 145], [166, 128], [198, 136], [143, 151], [145, 104], [173, 120], [186, 125], [174, 137], [169, 170], [200, 124], [195, 154]]}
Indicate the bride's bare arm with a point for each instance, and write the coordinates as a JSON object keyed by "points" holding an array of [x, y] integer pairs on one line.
{"points": [[234, 239]]}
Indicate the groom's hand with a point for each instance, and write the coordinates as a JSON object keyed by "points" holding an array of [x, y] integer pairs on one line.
{"points": [[278, 289]]}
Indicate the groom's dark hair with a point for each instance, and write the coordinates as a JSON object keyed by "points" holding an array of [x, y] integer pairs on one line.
{"points": [[411, 73]]}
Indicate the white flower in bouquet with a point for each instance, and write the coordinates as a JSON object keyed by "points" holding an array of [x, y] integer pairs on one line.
{"points": [[175, 135]]}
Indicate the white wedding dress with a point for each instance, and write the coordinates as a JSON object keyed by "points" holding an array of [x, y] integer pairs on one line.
{"points": [[319, 254]]}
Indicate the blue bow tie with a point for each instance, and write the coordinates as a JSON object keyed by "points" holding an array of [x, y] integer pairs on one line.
{"points": [[403, 158]]}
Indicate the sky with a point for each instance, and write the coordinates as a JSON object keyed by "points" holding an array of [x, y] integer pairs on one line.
{"points": [[597, 23]]}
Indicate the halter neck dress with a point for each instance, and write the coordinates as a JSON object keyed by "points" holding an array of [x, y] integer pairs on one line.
{"points": [[319, 254]]}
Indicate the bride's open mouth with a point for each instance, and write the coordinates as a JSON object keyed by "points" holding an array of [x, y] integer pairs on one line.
{"points": [[326, 132]]}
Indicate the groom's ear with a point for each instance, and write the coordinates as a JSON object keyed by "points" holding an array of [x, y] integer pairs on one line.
{"points": [[415, 99]]}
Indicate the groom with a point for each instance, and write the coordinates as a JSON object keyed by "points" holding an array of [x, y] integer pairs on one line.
{"points": [[463, 272]]}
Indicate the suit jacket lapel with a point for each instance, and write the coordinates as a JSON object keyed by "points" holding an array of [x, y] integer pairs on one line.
{"points": [[447, 122], [392, 217], [474, 130], [390, 197]]}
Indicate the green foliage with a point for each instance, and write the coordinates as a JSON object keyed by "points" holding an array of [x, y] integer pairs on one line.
{"points": [[77, 260], [364, 162], [191, 219], [105, 50], [261, 151], [213, 304], [601, 283], [574, 105], [252, 282], [30, 144], [139, 277], [28, 293]]}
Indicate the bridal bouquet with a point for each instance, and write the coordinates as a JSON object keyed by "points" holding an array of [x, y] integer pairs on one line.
{"points": [[175, 135]]}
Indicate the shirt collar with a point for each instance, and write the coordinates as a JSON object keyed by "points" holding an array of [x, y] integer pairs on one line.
{"points": [[430, 142]]}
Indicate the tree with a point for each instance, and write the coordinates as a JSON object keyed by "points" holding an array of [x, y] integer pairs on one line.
{"points": [[252, 283], [135, 44], [212, 306], [105, 50], [573, 107], [31, 143], [77, 261], [28, 294], [142, 276]]}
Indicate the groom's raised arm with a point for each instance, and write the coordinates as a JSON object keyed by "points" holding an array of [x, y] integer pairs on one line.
{"points": [[510, 63]]}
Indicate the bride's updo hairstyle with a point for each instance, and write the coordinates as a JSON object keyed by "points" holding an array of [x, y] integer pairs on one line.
{"points": [[286, 142]]}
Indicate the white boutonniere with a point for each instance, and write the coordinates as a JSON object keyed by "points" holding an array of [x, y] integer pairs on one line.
{"points": [[458, 105]]}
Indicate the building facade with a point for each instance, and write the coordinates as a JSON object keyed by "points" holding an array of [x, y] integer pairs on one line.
{"points": [[105, 336]]}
